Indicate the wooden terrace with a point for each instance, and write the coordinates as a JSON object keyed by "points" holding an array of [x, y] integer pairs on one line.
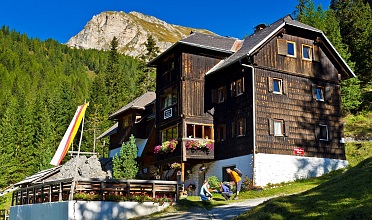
{"points": [[60, 190]]}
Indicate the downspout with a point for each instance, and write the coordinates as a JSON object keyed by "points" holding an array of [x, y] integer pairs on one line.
{"points": [[254, 124]]}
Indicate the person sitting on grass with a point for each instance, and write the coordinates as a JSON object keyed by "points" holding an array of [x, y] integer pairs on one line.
{"points": [[226, 191], [205, 195]]}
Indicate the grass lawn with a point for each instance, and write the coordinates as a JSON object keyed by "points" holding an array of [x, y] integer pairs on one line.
{"points": [[343, 196]]}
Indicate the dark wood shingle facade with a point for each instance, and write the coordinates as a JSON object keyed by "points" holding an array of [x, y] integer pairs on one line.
{"points": [[277, 92]]}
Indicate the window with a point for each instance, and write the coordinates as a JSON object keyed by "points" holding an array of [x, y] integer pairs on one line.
{"points": [[127, 121], [307, 52], [168, 70], [232, 89], [221, 94], [278, 127], [225, 176], [237, 87], [319, 93], [221, 133], [168, 99], [287, 48], [277, 85], [238, 127], [169, 134], [291, 48], [322, 93], [199, 131], [322, 132]]}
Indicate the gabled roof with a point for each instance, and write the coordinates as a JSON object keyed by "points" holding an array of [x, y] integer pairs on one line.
{"points": [[109, 131], [200, 40], [213, 42], [256, 40], [138, 103]]}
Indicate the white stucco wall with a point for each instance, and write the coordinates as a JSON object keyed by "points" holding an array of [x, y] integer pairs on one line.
{"points": [[140, 143], [244, 163], [274, 168], [270, 168], [84, 210]]}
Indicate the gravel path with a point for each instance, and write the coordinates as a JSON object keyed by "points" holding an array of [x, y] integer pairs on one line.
{"points": [[220, 212]]}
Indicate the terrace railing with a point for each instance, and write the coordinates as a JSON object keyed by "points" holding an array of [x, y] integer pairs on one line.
{"points": [[60, 190]]}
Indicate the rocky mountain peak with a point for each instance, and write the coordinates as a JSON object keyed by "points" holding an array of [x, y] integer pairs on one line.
{"points": [[131, 30]]}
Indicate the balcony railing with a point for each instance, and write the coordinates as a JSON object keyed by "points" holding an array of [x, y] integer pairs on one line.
{"points": [[200, 151], [184, 151]]}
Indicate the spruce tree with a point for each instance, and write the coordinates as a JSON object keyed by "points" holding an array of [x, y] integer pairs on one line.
{"points": [[124, 164]]}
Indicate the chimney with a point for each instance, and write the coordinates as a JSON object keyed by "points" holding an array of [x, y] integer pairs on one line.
{"points": [[259, 27]]}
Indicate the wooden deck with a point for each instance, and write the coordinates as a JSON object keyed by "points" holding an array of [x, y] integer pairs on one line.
{"points": [[60, 190]]}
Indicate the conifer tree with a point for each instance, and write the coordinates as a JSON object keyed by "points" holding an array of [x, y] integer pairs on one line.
{"points": [[146, 79], [124, 164]]}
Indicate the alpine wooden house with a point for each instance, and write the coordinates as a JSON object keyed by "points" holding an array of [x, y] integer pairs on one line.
{"points": [[269, 104]]}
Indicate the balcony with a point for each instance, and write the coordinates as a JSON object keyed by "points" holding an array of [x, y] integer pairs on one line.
{"points": [[188, 148], [194, 148]]}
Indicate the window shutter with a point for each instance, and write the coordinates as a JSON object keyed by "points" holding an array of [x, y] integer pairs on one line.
{"points": [[271, 126], [285, 87], [286, 128], [328, 93], [282, 46], [317, 131], [316, 53], [270, 84], [313, 89], [330, 134], [214, 95]]}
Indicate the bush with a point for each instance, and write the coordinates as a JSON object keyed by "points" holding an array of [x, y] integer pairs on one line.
{"points": [[213, 182]]}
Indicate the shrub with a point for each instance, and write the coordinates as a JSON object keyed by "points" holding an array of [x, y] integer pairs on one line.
{"points": [[213, 182]]}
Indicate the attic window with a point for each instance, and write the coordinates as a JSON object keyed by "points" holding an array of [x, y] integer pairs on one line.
{"points": [[291, 48], [287, 48], [307, 52]]}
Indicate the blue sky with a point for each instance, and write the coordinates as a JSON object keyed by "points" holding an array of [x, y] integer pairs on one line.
{"points": [[60, 20]]}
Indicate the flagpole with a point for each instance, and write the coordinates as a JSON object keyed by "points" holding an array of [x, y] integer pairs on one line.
{"points": [[77, 160]]}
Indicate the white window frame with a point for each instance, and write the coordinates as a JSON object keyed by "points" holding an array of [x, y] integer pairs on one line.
{"points": [[309, 52], [322, 89], [280, 85], [279, 122], [294, 48], [320, 132]]}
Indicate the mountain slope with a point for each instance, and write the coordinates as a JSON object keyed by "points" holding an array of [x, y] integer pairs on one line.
{"points": [[131, 29]]}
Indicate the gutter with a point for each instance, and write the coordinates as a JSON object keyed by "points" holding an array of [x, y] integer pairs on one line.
{"points": [[254, 124]]}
